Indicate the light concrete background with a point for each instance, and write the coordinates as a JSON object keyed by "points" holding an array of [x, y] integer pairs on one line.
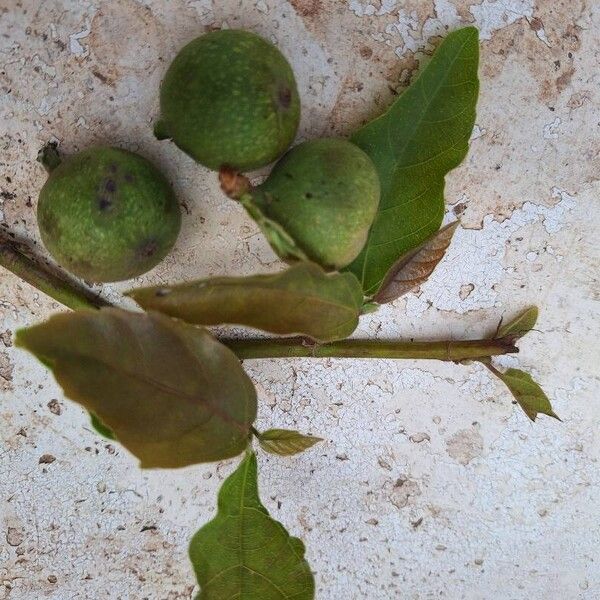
{"points": [[431, 482]]}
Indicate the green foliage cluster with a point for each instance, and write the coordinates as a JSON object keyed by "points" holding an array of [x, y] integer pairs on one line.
{"points": [[169, 391]]}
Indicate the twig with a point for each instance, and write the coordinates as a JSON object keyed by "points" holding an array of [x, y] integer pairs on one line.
{"points": [[18, 260]]}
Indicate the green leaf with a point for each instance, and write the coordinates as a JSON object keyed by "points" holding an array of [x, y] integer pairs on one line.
{"points": [[415, 267], [245, 554], [101, 428], [300, 300], [527, 393], [519, 326], [170, 392], [414, 144], [286, 442]]}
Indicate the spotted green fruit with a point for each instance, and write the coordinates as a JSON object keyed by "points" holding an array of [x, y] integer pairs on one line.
{"points": [[106, 214], [324, 194], [229, 99]]}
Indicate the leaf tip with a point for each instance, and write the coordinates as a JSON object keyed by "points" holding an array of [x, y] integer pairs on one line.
{"points": [[520, 325], [554, 416], [471, 30], [468, 32], [532, 313]]}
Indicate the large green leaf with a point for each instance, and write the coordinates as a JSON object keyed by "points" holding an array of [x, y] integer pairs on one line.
{"points": [[300, 300], [170, 392], [414, 144], [245, 554]]}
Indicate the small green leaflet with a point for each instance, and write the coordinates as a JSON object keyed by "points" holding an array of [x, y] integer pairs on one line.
{"points": [[519, 326], [245, 554], [527, 393], [170, 392], [302, 300], [423, 135], [286, 442]]}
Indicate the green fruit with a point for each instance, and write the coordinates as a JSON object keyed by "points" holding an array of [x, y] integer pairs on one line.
{"points": [[106, 214], [230, 99], [324, 194]]}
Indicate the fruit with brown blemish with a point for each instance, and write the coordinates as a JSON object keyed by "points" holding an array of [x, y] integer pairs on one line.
{"points": [[229, 98], [106, 214]]}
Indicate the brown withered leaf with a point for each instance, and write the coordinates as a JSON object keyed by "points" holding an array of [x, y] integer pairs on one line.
{"points": [[302, 300], [414, 267], [170, 392]]}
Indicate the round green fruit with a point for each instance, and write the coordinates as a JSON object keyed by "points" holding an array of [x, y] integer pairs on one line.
{"points": [[106, 214], [229, 98], [324, 193]]}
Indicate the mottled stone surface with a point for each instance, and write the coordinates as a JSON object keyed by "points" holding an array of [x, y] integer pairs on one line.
{"points": [[431, 483]]}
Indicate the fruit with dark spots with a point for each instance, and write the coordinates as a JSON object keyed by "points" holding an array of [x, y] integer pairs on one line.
{"points": [[285, 97], [148, 248], [107, 214], [104, 203], [324, 193], [230, 99]]}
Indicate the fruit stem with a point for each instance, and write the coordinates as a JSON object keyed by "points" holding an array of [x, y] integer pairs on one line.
{"points": [[15, 258], [49, 156], [234, 184], [446, 350], [18, 258]]}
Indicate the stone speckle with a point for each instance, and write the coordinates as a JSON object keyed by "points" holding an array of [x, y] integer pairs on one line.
{"points": [[46, 459], [465, 445], [14, 536], [6, 372], [528, 496]]}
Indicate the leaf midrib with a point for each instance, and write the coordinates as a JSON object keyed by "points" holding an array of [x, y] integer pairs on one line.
{"points": [[429, 101], [287, 292], [242, 552], [150, 381]]}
